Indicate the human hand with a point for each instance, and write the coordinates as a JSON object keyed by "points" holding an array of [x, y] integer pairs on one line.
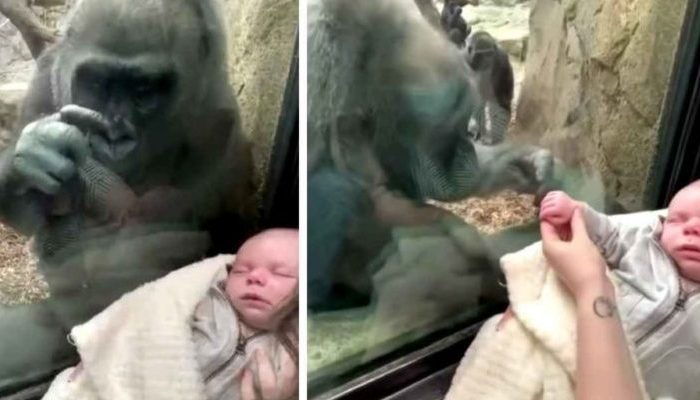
{"points": [[270, 385], [577, 261], [557, 208]]}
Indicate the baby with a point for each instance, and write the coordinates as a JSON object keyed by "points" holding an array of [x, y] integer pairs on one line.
{"points": [[657, 268], [245, 329]]}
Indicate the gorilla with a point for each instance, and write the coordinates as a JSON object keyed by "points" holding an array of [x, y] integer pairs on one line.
{"points": [[491, 75], [453, 24], [389, 102], [129, 160]]}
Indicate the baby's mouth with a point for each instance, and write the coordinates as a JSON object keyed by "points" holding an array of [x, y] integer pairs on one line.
{"points": [[690, 251], [254, 298]]}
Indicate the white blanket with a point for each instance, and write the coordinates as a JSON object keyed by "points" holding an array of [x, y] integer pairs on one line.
{"points": [[141, 346], [534, 355]]}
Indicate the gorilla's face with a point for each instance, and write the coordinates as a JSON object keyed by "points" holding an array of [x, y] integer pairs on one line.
{"points": [[131, 96], [480, 51], [142, 68]]}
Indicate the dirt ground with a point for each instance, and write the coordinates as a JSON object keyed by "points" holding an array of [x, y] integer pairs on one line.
{"points": [[20, 282], [496, 212]]}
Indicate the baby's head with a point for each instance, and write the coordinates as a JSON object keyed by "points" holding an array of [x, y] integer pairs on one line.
{"points": [[680, 237], [263, 281]]}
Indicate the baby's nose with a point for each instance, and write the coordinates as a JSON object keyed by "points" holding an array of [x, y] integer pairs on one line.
{"points": [[692, 227], [257, 276]]}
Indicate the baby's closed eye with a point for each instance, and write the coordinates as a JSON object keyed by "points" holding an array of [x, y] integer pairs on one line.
{"points": [[238, 268], [284, 272], [674, 219]]}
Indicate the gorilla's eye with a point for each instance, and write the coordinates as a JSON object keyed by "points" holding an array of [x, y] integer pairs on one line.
{"points": [[144, 88], [90, 79], [143, 91], [145, 96], [94, 84], [89, 87], [151, 91]]}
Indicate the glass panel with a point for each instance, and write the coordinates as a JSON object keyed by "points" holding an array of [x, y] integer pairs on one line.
{"points": [[434, 130], [165, 171]]}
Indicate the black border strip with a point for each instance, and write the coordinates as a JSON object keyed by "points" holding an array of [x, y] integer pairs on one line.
{"points": [[677, 159], [280, 204]]}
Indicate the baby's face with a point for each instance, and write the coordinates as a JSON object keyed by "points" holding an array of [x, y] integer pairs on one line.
{"points": [[264, 277], [681, 232]]}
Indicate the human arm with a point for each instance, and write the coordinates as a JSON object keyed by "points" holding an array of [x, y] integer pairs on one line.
{"points": [[604, 367]]}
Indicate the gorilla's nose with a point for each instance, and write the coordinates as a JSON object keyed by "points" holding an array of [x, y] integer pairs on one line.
{"points": [[115, 143]]}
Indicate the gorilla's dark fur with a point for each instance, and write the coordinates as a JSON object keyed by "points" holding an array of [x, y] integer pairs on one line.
{"points": [[389, 101], [453, 24], [155, 73]]}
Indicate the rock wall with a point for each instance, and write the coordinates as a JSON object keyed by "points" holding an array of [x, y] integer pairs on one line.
{"points": [[262, 36], [596, 76], [16, 67]]}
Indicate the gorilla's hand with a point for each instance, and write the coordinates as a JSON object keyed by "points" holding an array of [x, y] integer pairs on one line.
{"points": [[542, 164], [532, 168], [523, 168], [50, 150], [395, 210]]}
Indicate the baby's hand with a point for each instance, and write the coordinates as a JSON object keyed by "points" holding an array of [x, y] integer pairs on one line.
{"points": [[271, 384], [557, 208]]}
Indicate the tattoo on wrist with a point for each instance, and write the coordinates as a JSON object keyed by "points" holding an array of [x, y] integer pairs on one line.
{"points": [[604, 307]]}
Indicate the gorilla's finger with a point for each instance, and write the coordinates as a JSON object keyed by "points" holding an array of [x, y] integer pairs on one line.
{"points": [[35, 176], [541, 195], [67, 139], [55, 164], [87, 120]]}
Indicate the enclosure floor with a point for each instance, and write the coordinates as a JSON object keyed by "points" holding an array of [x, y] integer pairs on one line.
{"points": [[20, 282]]}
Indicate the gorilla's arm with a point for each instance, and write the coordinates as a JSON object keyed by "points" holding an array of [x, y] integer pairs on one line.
{"points": [[24, 212], [473, 169], [447, 178]]}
